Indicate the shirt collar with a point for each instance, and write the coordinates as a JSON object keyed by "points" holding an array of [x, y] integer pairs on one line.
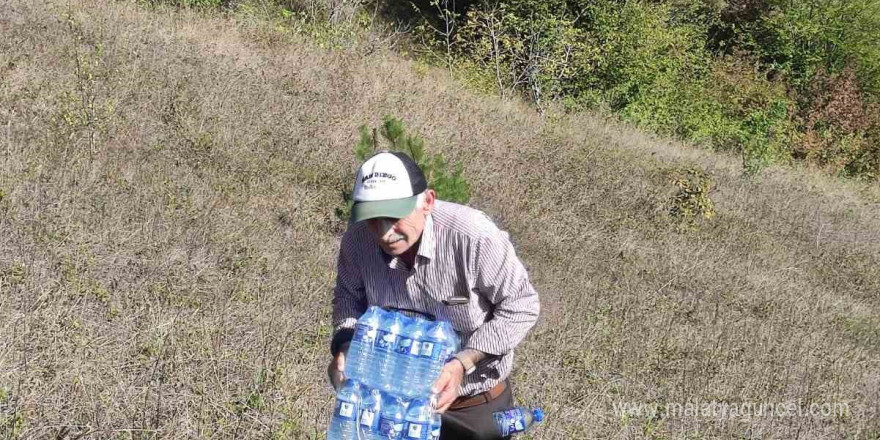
{"points": [[426, 249]]}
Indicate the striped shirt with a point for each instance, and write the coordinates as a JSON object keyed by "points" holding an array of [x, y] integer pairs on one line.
{"points": [[461, 254]]}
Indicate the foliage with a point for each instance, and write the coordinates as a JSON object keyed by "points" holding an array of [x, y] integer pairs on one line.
{"points": [[801, 39], [12, 421], [837, 126], [521, 48], [738, 75], [749, 76], [329, 25], [444, 178], [691, 200]]}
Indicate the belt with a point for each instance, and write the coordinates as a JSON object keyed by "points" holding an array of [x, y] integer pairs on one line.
{"points": [[479, 399]]}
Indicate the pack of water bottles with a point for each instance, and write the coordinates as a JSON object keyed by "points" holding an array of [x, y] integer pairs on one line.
{"points": [[391, 363]]}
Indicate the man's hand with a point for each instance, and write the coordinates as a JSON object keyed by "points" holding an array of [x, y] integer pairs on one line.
{"points": [[336, 369], [447, 384]]}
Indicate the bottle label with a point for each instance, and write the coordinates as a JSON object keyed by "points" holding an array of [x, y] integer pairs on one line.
{"points": [[417, 431], [386, 341], [435, 351], [369, 419], [408, 347], [427, 350], [345, 410], [390, 428], [510, 421], [365, 335]]}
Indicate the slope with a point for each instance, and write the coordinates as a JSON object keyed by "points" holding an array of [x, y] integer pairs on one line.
{"points": [[168, 243]]}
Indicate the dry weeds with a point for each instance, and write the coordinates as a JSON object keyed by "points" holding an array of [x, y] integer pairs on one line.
{"points": [[167, 185]]}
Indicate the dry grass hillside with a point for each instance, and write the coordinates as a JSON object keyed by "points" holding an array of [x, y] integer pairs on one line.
{"points": [[167, 243]]}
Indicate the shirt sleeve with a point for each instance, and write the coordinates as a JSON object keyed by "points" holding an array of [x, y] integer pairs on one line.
{"points": [[349, 298], [502, 279]]}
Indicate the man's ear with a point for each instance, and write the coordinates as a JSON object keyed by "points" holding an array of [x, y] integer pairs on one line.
{"points": [[430, 198]]}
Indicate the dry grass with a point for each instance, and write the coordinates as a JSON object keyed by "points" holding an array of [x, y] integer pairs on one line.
{"points": [[167, 184]]}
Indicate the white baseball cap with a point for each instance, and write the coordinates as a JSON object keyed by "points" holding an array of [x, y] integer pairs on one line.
{"points": [[387, 185]]}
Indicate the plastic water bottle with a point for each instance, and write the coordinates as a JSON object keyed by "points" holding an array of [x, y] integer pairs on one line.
{"points": [[371, 411], [435, 427], [343, 425], [407, 360], [438, 345], [516, 420], [419, 420], [360, 351], [392, 418], [381, 374]]}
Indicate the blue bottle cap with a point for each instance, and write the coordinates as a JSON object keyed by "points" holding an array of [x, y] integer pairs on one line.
{"points": [[539, 414]]}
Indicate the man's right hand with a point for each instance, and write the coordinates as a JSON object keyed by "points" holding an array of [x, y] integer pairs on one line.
{"points": [[336, 369]]}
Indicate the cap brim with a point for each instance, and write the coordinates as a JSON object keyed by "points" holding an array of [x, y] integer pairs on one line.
{"points": [[396, 208]]}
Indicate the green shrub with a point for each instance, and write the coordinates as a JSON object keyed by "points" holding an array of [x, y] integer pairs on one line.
{"points": [[444, 178], [825, 52], [691, 200], [801, 39], [838, 125], [738, 76], [640, 51], [532, 49], [763, 138]]}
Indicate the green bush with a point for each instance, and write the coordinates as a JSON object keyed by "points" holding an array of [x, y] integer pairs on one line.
{"points": [[801, 39], [758, 78], [738, 76], [690, 201], [444, 178], [532, 50], [825, 53]]}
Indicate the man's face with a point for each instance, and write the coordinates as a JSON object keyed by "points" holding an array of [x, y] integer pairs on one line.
{"points": [[396, 236]]}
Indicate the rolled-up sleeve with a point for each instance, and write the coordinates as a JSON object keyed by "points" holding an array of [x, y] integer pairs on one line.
{"points": [[349, 298], [501, 278]]}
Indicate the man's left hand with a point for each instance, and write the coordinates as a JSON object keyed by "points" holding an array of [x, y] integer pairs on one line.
{"points": [[447, 384]]}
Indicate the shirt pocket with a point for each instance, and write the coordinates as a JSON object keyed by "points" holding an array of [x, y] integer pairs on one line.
{"points": [[461, 308], [450, 299]]}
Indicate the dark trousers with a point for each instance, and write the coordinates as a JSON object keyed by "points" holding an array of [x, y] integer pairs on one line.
{"points": [[475, 422]]}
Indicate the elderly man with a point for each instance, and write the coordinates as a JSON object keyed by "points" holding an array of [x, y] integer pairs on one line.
{"points": [[407, 250]]}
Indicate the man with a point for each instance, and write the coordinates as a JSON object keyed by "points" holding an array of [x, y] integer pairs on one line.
{"points": [[406, 250]]}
